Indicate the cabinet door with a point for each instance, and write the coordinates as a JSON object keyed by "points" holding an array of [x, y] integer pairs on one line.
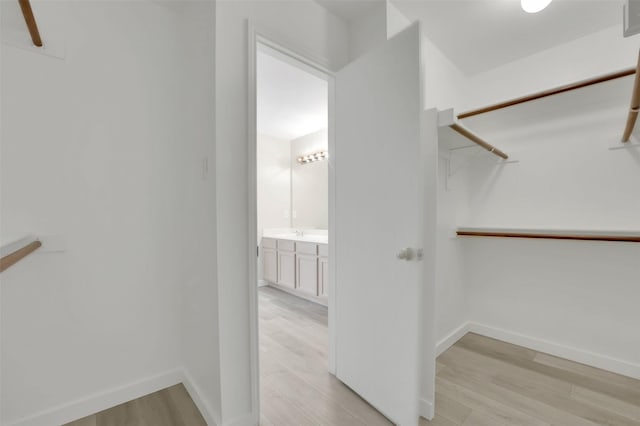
{"points": [[269, 265], [287, 269], [323, 276], [307, 269]]}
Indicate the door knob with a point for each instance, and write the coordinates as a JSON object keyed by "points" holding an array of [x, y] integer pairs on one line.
{"points": [[406, 253]]}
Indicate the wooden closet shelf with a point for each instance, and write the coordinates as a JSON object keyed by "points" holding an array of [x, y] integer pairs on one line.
{"points": [[13, 258], [617, 237]]}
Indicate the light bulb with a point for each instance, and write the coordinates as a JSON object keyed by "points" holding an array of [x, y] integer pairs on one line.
{"points": [[534, 6]]}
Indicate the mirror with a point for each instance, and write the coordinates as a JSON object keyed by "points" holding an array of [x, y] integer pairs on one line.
{"points": [[310, 182]]}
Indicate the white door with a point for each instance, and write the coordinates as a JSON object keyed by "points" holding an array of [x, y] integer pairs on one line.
{"points": [[379, 210]]}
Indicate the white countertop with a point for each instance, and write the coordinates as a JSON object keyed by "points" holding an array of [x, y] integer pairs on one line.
{"points": [[309, 238]]}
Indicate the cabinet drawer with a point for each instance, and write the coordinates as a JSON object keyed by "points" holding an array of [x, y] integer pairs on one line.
{"points": [[269, 243], [307, 248], [323, 250], [286, 245]]}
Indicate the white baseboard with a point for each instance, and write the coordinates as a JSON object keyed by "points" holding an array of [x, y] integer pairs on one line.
{"points": [[324, 301], [101, 401], [592, 359], [119, 395], [262, 283], [426, 409], [210, 416], [249, 419], [452, 338]]}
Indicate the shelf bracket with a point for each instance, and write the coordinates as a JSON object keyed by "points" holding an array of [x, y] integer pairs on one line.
{"points": [[447, 118]]}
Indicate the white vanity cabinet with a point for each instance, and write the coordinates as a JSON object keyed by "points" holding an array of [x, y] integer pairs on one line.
{"points": [[323, 270], [307, 268], [297, 266], [269, 260], [287, 263]]}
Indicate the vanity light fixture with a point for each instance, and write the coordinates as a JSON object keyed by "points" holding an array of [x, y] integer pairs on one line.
{"points": [[534, 6], [316, 156]]}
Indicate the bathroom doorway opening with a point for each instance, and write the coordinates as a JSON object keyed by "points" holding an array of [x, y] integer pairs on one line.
{"points": [[292, 130]]}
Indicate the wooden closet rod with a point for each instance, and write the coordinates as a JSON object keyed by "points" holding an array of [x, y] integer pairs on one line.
{"points": [[478, 140], [16, 256], [633, 109], [31, 22], [616, 238], [551, 92]]}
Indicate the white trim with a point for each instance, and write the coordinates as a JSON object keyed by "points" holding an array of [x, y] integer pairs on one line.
{"points": [[289, 48], [332, 297], [451, 339], [195, 393], [262, 283], [252, 225], [581, 356], [119, 395], [101, 401], [601, 361], [426, 409], [297, 293], [244, 420]]}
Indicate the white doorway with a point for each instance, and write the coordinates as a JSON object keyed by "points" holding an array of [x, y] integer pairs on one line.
{"points": [[290, 126], [385, 148]]}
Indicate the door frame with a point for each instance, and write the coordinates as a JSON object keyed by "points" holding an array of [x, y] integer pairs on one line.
{"points": [[316, 64]]}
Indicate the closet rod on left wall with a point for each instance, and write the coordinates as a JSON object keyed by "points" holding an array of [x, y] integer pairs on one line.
{"points": [[13, 258], [30, 20], [634, 108]]}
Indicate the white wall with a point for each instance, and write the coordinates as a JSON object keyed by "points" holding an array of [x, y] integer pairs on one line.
{"points": [[396, 21], [567, 298], [309, 28], [195, 226], [596, 54], [452, 307], [274, 183], [99, 149], [573, 294], [368, 31], [310, 183]]}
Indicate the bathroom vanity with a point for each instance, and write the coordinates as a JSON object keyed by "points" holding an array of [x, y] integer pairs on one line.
{"points": [[297, 264]]}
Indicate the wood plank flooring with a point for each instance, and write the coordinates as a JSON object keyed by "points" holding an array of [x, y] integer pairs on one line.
{"points": [[295, 387], [169, 407], [479, 382]]}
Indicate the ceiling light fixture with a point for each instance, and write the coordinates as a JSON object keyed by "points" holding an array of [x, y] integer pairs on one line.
{"points": [[534, 6]]}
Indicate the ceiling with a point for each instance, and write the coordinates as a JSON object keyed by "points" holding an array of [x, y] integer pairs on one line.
{"points": [[349, 10], [291, 102], [479, 35]]}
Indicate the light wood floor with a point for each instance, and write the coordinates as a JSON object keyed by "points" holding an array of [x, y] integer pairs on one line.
{"points": [[169, 407], [480, 381]]}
